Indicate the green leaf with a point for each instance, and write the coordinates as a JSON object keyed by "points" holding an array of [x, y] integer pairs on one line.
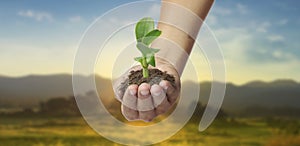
{"points": [[145, 35], [151, 36], [143, 27], [138, 59], [145, 50], [153, 50], [151, 60]]}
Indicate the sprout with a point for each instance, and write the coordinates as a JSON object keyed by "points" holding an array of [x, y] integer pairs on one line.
{"points": [[145, 35]]}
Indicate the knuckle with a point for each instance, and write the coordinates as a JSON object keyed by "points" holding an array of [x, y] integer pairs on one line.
{"points": [[130, 116], [147, 116], [161, 110]]}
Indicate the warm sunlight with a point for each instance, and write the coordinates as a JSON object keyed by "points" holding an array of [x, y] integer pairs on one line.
{"points": [[49, 97]]}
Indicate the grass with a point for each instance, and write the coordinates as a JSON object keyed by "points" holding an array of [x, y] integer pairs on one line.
{"points": [[41, 131]]}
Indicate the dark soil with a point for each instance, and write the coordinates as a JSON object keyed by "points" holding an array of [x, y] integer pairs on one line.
{"points": [[155, 76]]}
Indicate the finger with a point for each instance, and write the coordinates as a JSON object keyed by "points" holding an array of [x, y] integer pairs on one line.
{"points": [[118, 88], [129, 103], [130, 98], [159, 99], [147, 116], [144, 98], [158, 94], [119, 94], [170, 90], [118, 91], [129, 113], [145, 104]]}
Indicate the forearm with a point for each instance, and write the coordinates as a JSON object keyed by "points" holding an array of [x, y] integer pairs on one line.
{"points": [[180, 21]]}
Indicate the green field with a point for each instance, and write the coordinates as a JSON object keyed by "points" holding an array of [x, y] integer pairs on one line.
{"points": [[41, 131]]}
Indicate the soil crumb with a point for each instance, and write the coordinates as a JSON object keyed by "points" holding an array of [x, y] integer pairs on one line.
{"points": [[155, 76]]}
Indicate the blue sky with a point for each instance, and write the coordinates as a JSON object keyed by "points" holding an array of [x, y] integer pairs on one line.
{"points": [[260, 39]]}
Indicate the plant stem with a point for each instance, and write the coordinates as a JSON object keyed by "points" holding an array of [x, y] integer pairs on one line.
{"points": [[145, 68], [145, 72]]}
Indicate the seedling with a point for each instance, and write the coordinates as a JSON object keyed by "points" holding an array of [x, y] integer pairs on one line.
{"points": [[145, 35]]}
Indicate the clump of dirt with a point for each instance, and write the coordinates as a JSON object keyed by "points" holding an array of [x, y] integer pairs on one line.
{"points": [[155, 76]]}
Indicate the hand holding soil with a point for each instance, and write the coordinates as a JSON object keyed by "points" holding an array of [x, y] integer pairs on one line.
{"points": [[145, 91], [145, 101]]}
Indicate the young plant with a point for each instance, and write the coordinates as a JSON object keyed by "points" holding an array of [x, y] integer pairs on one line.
{"points": [[145, 35]]}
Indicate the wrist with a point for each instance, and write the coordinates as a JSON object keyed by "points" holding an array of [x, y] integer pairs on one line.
{"points": [[170, 53]]}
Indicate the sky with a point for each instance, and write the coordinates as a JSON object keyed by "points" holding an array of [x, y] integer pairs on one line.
{"points": [[259, 39]]}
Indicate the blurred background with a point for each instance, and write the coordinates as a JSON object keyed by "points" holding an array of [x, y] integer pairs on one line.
{"points": [[259, 39]]}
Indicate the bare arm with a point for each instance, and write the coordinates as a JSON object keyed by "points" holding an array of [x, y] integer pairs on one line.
{"points": [[180, 21]]}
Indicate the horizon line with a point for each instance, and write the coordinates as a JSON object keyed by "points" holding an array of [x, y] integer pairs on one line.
{"points": [[227, 82]]}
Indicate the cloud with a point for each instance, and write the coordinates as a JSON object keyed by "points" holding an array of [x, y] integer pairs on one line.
{"points": [[250, 56], [281, 55], [75, 19], [275, 38], [242, 45], [242, 9], [235, 43], [263, 27], [38, 16], [283, 22], [211, 20], [221, 11]]}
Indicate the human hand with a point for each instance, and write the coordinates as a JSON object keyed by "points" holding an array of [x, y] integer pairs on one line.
{"points": [[145, 102]]}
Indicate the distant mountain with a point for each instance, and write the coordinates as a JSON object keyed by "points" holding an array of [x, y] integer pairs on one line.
{"points": [[30, 90], [36, 86], [279, 93], [271, 95], [275, 84]]}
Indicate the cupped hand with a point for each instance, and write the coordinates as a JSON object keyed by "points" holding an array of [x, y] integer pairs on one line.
{"points": [[145, 102]]}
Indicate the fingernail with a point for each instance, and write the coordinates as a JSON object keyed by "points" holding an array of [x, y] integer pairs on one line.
{"points": [[145, 92], [164, 85], [132, 92], [157, 93]]}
